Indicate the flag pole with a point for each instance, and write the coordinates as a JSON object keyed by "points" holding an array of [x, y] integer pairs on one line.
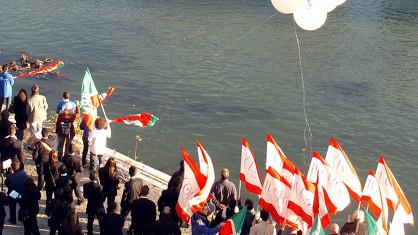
{"points": [[239, 190]]}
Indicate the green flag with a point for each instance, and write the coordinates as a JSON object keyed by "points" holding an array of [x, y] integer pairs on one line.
{"points": [[234, 224], [317, 227], [371, 224]]}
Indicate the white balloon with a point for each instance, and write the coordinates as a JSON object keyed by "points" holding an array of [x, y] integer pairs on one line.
{"points": [[311, 16], [287, 6]]}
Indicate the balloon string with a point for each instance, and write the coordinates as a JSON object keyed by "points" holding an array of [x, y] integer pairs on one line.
{"points": [[307, 131]]}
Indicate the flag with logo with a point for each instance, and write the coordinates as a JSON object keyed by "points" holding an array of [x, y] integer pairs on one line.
{"points": [[249, 170], [89, 100], [193, 182], [391, 189], [339, 161], [234, 225], [275, 195], [336, 194]]}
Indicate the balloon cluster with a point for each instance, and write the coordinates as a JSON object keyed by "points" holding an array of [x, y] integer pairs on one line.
{"points": [[308, 14]]}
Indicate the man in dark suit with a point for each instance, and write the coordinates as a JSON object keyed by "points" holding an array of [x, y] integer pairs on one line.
{"points": [[143, 213], [92, 191], [14, 182], [112, 222], [40, 155], [74, 168], [11, 147], [176, 179], [131, 192]]}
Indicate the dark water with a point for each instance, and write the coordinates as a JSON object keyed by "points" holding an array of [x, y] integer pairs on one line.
{"points": [[218, 70]]}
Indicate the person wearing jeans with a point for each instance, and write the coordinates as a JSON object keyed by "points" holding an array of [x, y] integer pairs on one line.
{"points": [[97, 142]]}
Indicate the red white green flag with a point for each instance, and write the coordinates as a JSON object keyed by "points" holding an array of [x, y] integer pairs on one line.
{"points": [[141, 120], [234, 224], [103, 96], [88, 105]]}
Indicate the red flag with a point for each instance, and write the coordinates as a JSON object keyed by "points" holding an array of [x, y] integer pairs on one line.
{"points": [[249, 171]]}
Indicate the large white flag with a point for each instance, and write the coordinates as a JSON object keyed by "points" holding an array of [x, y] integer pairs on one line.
{"points": [[193, 182], [376, 201], [302, 198], [336, 194], [341, 164], [199, 200], [275, 195], [391, 189], [249, 170]]}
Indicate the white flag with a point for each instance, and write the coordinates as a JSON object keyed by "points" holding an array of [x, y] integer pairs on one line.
{"points": [[391, 189], [249, 170], [336, 194], [341, 164], [275, 195]]}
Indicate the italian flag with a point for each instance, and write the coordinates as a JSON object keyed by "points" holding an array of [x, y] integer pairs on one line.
{"points": [[234, 224], [141, 120], [103, 96], [371, 224], [317, 228], [89, 100]]}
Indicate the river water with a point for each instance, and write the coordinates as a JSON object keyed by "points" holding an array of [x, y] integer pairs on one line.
{"points": [[218, 70]]}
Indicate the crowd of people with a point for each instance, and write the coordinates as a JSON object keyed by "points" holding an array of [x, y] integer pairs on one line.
{"points": [[59, 168]]}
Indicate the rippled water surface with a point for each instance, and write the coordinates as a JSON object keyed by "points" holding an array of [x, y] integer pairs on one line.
{"points": [[218, 70]]}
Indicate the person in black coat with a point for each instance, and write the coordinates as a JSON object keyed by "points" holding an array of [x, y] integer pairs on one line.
{"points": [[166, 225], [59, 208], [169, 198], [51, 174], [176, 179], [11, 147], [64, 182], [4, 201], [5, 124], [92, 191], [19, 108], [14, 182], [131, 192], [29, 207], [71, 223], [109, 179], [112, 222], [74, 168], [143, 213], [40, 155]]}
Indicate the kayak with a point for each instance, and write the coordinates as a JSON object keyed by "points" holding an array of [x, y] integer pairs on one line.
{"points": [[44, 69]]}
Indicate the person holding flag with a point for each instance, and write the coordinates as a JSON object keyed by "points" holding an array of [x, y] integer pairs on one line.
{"points": [[201, 224]]}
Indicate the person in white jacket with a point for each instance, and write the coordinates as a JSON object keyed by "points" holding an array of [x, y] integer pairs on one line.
{"points": [[97, 142], [36, 110]]}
